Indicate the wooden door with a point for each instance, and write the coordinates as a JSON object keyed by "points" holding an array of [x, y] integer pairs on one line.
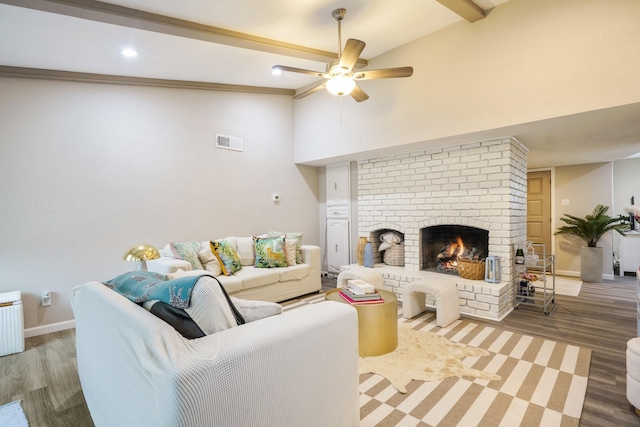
{"points": [[539, 208]]}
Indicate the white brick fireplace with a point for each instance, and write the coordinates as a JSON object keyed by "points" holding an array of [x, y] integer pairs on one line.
{"points": [[480, 185]]}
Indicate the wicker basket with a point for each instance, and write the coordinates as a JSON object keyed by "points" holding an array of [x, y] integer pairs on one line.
{"points": [[394, 256], [471, 269]]}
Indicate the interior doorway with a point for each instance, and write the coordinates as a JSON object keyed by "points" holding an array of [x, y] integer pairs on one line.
{"points": [[539, 208]]}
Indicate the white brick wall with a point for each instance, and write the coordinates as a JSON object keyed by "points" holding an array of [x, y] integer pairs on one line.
{"points": [[480, 185]]}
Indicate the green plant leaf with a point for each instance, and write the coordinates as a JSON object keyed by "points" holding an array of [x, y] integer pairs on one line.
{"points": [[593, 226]]}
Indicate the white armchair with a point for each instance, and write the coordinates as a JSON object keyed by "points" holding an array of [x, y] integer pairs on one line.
{"points": [[297, 368]]}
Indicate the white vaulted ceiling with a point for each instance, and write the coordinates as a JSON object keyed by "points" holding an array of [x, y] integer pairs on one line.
{"points": [[86, 36], [237, 42]]}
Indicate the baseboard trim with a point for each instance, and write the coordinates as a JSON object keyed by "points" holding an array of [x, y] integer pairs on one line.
{"points": [[47, 329], [567, 273], [577, 274]]}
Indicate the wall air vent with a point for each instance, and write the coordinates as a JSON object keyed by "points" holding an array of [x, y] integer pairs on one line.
{"points": [[229, 142]]}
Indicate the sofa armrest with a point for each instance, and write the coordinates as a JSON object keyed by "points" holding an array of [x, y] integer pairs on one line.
{"points": [[165, 265], [309, 355], [297, 368], [312, 257]]}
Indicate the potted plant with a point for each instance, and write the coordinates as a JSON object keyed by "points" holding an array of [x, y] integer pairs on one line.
{"points": [[591, 228]]}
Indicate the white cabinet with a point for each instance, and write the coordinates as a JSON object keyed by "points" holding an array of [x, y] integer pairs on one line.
{"points": [[629, 252], [337, 244], [338, 196], [338, 185]]}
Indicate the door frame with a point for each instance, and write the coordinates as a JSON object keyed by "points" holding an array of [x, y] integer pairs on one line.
{"points": [[553, 204]]}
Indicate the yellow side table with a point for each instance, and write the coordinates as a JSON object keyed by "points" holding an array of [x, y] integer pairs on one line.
{"points": [[377, 323]]}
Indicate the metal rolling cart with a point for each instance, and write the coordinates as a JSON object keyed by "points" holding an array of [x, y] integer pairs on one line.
{"points": [[532, 260]]}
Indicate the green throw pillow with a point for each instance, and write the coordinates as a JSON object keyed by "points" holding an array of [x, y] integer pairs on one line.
{"points": [[227, 256], [270, 252], [188, 251], [298, 239]]}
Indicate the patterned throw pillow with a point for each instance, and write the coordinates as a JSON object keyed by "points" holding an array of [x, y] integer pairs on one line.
{"points": [[297, 237], [270, 252], [227, 256], [188, 251]]}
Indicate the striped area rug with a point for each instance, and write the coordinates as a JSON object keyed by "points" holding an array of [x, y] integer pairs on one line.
{"points": [[543, 382]]}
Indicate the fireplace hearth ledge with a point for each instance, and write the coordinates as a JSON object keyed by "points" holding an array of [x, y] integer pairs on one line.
{"points": [[478, 298]]}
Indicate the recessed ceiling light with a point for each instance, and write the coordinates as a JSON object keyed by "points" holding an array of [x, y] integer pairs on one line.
{"points": [[129, 53]]}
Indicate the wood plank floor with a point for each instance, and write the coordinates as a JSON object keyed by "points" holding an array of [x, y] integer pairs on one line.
{"points": [[602, 318]]}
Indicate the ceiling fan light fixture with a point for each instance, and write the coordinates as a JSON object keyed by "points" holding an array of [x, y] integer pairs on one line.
{"points": [[129, 52], [341, 85]]}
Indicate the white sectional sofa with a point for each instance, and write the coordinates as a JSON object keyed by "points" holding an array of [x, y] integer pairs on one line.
{"points": [[136, 370], [266, 284]]}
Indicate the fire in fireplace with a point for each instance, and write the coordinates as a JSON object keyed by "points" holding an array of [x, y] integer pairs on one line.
{"points": [[443, 245], [450, 254]]}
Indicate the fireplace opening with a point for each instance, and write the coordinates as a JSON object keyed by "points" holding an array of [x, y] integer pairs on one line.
{"points": [[443, 245], [388, 246]]}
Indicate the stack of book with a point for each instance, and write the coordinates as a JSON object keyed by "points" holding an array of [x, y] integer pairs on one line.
{"points": [[360, 292]]}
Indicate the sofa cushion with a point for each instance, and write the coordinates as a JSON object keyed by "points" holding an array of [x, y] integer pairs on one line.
{"points": [[294, 236], [231, 283], [296, 272], [187, 251], [227, 256], [232, 241], [270, 252], [253, 277], [246, 250]]}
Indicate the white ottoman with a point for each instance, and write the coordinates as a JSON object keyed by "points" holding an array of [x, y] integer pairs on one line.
{"points": [[445, 295], [369, 275], [633, 373]]}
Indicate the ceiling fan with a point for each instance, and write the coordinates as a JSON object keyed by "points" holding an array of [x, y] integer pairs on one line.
{"points": [[340, 78]]}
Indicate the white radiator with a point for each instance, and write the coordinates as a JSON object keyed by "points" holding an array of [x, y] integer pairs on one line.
{"points": [[11, 323]]}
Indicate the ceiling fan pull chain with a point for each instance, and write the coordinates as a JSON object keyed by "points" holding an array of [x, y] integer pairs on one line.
{"points": [[339, 39]]}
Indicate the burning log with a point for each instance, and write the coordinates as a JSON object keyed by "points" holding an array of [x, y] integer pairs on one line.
{"points": [[449, 255]]}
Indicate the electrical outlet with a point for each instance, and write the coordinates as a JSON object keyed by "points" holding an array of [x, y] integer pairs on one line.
{"points": [[46, 298]]}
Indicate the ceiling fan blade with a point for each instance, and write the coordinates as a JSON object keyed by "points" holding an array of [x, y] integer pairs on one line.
{"points": [[351, 53], [312, 88], [358, 94], [385, 73], [299, 70]]}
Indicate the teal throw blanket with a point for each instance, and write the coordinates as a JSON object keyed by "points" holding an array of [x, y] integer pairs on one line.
{"points": [[141, 286]]}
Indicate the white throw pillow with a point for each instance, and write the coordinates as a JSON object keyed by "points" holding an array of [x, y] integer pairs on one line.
{"points": [[246, 250], [290, 246], [210, 261], [166, 251]]}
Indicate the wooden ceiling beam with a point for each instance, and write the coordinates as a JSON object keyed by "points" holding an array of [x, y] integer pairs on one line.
{"points": [[465, 8], [132, 18]]}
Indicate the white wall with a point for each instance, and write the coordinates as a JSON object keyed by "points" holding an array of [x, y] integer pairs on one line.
{"points": [[626, 176], [526, 61], [585, 187], [88, 170]]}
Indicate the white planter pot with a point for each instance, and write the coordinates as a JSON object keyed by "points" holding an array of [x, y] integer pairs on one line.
{"points": [[591, 260]]}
